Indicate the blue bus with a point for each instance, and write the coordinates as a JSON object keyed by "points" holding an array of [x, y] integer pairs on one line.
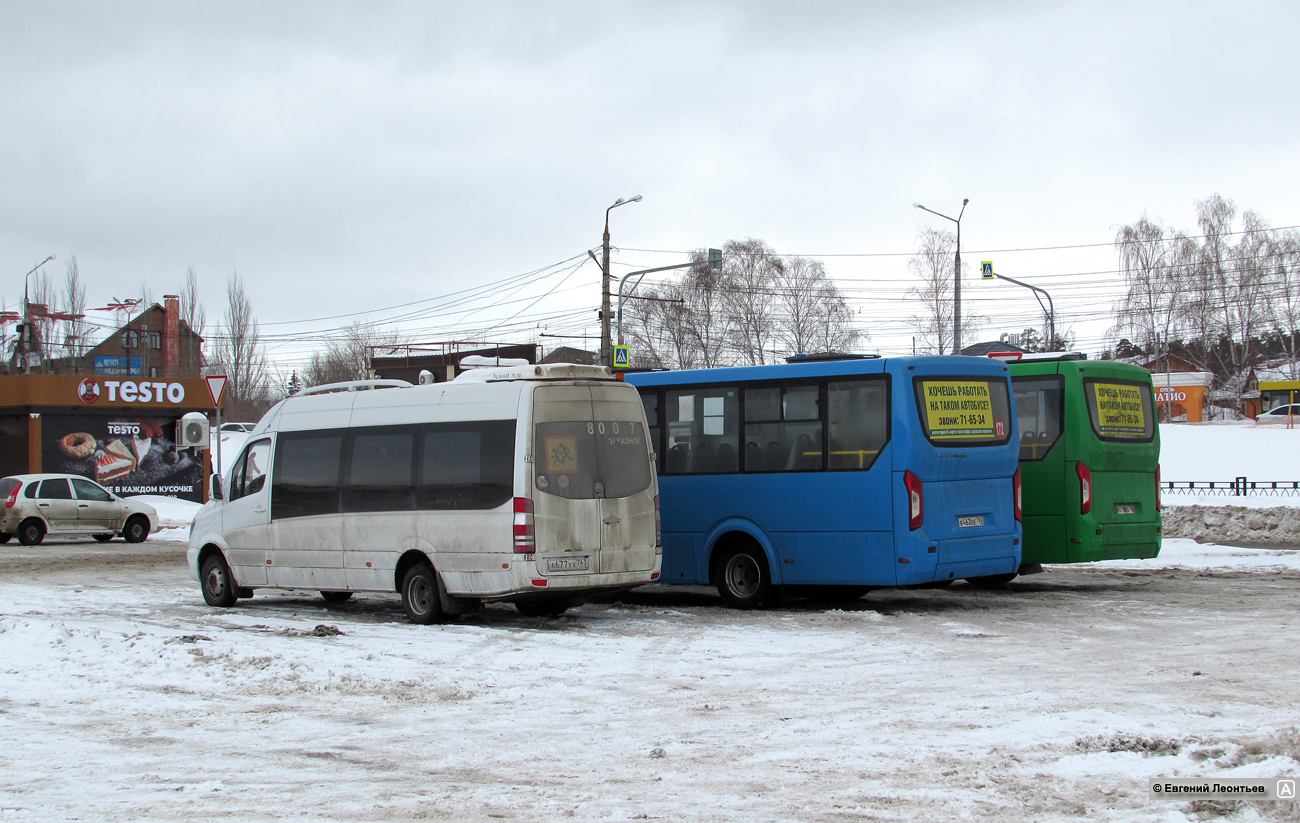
{"points": [[852, 473]]}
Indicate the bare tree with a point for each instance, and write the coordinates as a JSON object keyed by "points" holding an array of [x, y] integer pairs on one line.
{"points": [[1285, 291], [75, 329], [812, 314], [347, 357], [750, 273], [238, 351], [1153, 263], [932, 265]]}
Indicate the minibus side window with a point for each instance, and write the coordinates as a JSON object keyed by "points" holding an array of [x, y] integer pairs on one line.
{"points": [[380, 472], [307, 475], [703, 431], [466, 465], [1039, 413], [858, 423]]}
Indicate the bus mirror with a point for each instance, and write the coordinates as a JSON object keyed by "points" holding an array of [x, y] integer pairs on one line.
{"points": [[216, 487]]}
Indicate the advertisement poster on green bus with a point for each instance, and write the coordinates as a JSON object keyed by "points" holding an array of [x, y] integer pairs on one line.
{"points": [[1120, 411], [960, 410]]}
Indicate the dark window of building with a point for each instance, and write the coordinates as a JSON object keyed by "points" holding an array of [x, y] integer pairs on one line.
{"points": [[155, 339], [130, 339]]}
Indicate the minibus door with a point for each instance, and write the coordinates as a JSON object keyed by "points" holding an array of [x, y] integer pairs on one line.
{"points": [[567, 513], [246, 514], [627, 498]]}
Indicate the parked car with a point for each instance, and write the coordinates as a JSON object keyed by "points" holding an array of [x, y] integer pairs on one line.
{"points": [[232, 437], [1278, 416], [41, 504]]}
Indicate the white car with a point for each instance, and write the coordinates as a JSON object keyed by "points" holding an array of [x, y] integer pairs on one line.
{"points": [[1279, 416], [39, 504]]}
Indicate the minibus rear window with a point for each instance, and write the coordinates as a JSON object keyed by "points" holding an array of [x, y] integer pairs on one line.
{"points": [[1120, 410], [584, 460], [963, 411]]}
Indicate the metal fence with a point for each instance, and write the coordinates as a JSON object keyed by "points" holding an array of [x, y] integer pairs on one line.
{"points": [[1238, 487]]}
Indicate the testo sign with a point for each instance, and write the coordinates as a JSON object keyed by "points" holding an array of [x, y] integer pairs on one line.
{"points": [[131, 391]]}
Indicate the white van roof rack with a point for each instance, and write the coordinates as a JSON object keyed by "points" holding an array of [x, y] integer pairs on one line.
{"points": [[354, 385], [543, 371]]}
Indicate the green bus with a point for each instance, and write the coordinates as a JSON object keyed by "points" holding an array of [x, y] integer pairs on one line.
{"points": [[1089, 460]]}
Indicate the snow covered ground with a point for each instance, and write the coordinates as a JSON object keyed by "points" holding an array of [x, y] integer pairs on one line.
{"points": [[124, 697]]}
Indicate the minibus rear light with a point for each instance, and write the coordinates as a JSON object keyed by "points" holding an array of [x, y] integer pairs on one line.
{"points": [[525, 538], [1085, 487], [915, 500], [659, 524], [1015, 485], [1159, 506]]}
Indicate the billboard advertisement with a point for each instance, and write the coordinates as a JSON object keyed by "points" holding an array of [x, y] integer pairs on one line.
{"points": [[125, 454]]}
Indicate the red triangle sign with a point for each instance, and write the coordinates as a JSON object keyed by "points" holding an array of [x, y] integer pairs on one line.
{"points": [[216, 387]]}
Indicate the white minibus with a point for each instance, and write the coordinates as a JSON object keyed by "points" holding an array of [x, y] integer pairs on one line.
{"points": [[528, 484]]}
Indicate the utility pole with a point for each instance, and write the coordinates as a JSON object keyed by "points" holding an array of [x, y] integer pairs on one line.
{"points": [[606, 349]]}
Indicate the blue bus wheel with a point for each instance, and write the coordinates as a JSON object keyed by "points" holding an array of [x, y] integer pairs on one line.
{"points": [[744, 580]]}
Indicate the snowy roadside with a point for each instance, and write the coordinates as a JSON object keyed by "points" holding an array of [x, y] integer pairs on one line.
{"points": [[124, 697]]}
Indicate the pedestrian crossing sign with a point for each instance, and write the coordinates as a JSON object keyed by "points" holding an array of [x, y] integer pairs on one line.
{"points": [[621, 357], [986, 269]]}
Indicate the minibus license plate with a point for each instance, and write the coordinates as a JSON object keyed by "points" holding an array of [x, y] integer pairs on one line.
{"points": [[973, 520], [568, 564], [1126, 508]]}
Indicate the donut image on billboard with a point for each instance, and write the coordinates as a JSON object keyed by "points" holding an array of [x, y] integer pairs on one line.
{"points": [[88, 391]]}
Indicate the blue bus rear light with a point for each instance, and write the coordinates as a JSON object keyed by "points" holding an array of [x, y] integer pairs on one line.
{"points": [[915, 500]]}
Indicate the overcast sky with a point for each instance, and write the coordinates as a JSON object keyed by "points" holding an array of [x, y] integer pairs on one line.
{"points": [[350, 157]]}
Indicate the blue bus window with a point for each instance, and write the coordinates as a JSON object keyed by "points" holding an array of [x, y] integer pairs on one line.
{"points": [[859, 422], [703, 431], [792, 441], [651, 404]]}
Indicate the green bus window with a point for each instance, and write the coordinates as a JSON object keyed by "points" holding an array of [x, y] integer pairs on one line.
{"points": [[1038, 413], [1120, 410], [858, 419]]}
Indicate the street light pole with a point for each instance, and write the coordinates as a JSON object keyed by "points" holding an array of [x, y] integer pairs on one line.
{"points": [[714, 263], [606, 351], [27, 313], [956, 279], [1051, 308]]}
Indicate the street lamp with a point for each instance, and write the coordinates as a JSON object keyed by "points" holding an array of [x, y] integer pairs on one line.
{"points": [[1051, 308], [956, 280], [714, 263], [606, 352], [27, 314]]}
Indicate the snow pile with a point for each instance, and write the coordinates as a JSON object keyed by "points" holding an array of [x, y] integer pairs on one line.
{"points": [[1277, 525], [173, 512]]}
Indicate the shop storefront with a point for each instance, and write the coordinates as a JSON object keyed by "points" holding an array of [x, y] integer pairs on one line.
{"points": [[115, 430], [1180, 396]]}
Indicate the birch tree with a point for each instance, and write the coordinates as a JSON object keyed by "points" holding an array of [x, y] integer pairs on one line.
{"points": [[932, 266]]}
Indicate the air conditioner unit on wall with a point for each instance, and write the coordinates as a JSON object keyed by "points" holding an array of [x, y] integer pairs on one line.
{"points": [[192, 431]]}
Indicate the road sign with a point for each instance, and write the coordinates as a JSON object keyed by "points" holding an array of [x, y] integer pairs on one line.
{"points": [[986, 269], [622, 358], [216, 387]]}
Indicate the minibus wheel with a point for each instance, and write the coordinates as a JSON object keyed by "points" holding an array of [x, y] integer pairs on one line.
{"points": [[992, 581], [218, 588], [743, 578], [420, 594], [336, 597]]}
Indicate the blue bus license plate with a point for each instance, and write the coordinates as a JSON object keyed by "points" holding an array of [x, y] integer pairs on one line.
{"points": [[568, 564], [969, 522]]}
